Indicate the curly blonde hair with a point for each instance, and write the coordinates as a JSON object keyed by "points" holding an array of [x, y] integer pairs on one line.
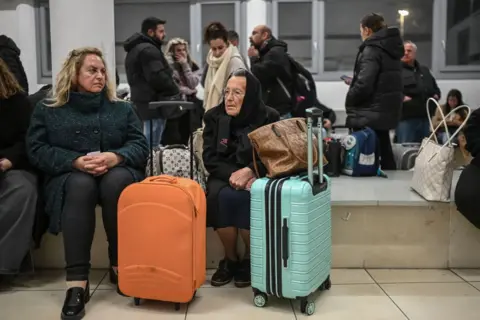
{"points": [[67, 77], [9, 85]]}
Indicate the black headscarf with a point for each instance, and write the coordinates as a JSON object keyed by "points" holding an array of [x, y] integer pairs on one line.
{"points": [[253, 115]]}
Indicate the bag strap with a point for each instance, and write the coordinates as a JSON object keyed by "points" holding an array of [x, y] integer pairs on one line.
{"points": [[450, 138], [444, 120], [284, 88]]}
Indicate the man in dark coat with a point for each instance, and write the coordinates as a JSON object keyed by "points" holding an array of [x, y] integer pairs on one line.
{"points": [[418, 86], [10, 53], [375, 96], [271, 65], [148, 73]]}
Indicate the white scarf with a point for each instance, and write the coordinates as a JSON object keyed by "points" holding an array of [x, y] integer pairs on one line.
{"points": [[218, 71]]}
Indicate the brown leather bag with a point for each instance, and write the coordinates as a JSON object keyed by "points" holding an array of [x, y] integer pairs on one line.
{"points": [[282, 147]]}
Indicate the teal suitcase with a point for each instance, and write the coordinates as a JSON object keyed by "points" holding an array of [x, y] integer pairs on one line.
{"points": [[290, 232]]}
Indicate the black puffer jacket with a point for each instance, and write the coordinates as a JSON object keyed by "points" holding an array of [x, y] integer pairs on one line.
{"points": [[375, 96], [273, 63], [10, 53], [418, 84], [148, 73], [467, 191]]}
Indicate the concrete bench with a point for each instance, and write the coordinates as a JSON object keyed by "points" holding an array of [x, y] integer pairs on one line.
{"points": [[376, 223]]}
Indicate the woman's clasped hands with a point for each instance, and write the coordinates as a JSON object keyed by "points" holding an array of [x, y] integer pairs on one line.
{"points": [[97, 164], [242, 179]]}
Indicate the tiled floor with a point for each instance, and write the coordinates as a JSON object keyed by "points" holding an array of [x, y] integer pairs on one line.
{"points": [[356, 294]]}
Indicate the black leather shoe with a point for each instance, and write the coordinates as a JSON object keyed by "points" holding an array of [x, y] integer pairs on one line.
{"points": [[75, 301], [242, 276], [113, 276], [114, 280], [224, 274]]}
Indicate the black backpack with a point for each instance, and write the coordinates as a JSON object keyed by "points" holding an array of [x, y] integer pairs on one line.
{"points": [[304, 92]]}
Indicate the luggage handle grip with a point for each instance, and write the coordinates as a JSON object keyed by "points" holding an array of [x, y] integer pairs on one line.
{"points": [[163, 178], [285, 243], [314, 114]]}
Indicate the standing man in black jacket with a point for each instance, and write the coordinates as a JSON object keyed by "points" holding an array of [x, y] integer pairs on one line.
{"points": [[271, 66], [418, 85], [375, 96], [10, 53], [148, 73]]}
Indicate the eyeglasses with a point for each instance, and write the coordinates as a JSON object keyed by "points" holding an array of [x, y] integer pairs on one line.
{"points": [[236, 93]]}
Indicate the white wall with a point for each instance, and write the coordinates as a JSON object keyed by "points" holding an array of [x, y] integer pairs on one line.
{"points": [[16, 22]]}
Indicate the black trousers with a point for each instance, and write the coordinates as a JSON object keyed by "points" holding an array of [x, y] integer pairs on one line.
{"points": [[82, 194], [387, 160]]}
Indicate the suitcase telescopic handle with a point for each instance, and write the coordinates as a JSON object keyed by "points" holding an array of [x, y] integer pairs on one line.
{"points": [[314, 115]]}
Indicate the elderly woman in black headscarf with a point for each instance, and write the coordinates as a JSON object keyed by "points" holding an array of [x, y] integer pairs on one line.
{"points": [[227, 155]]}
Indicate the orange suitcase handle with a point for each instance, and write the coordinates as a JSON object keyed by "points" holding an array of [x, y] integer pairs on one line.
{"points": [[163, 178]]}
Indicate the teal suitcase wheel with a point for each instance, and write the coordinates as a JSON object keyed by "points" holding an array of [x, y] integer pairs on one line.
{"points": [[307, 307], [326, 285], [260, 300]]}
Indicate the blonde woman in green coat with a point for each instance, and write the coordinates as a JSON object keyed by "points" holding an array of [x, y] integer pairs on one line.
{"points": [[90, 147]]}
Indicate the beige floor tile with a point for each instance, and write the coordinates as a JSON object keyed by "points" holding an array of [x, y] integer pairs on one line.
{"points": [[347, 302], [436, 301], [38, 305], [413, 275], [350, 276], [476, 284], [50, 280], [233, 304], [471, 275], [108, 305]]}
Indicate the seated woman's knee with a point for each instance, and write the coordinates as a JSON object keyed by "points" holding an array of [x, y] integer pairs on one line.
{"points": [[118, 176], [23, 183], [81, 182]]}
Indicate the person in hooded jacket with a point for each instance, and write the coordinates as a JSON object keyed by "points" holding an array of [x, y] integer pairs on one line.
{"points": [[10, 53], [270, 63], [375, 96], [148, 74], [467, 191], [227, 155]]}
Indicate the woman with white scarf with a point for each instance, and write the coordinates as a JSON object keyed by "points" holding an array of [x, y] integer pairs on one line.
{"points": [[222, 60]]}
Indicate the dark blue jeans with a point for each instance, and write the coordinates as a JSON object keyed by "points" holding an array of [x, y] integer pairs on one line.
{"points": [[412, 130]]}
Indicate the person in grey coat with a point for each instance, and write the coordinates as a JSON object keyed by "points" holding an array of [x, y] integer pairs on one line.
{"points": [[18, 186]]}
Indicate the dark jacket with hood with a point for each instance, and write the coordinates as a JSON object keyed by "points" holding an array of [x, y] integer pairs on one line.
{"points": [[15, 113], [418, 84], [149, 76], [226, 147], [10, 53], [273, 64], [375, 95], [467, 191]]}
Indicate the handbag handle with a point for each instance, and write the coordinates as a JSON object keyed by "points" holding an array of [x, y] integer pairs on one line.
{"points": [[450, 138], [444, 120]]}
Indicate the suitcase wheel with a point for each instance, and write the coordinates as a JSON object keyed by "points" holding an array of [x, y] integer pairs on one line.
{"points": [[177, 306], [307, 307], [326, 285], [260, 299], [136, 301]]}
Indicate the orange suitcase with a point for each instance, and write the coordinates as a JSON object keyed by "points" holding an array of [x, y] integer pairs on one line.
{"points": [[161, 239]]}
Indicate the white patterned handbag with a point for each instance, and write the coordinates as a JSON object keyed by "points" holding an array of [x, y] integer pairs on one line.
{"points": [[434, 166], [175, 160]]}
